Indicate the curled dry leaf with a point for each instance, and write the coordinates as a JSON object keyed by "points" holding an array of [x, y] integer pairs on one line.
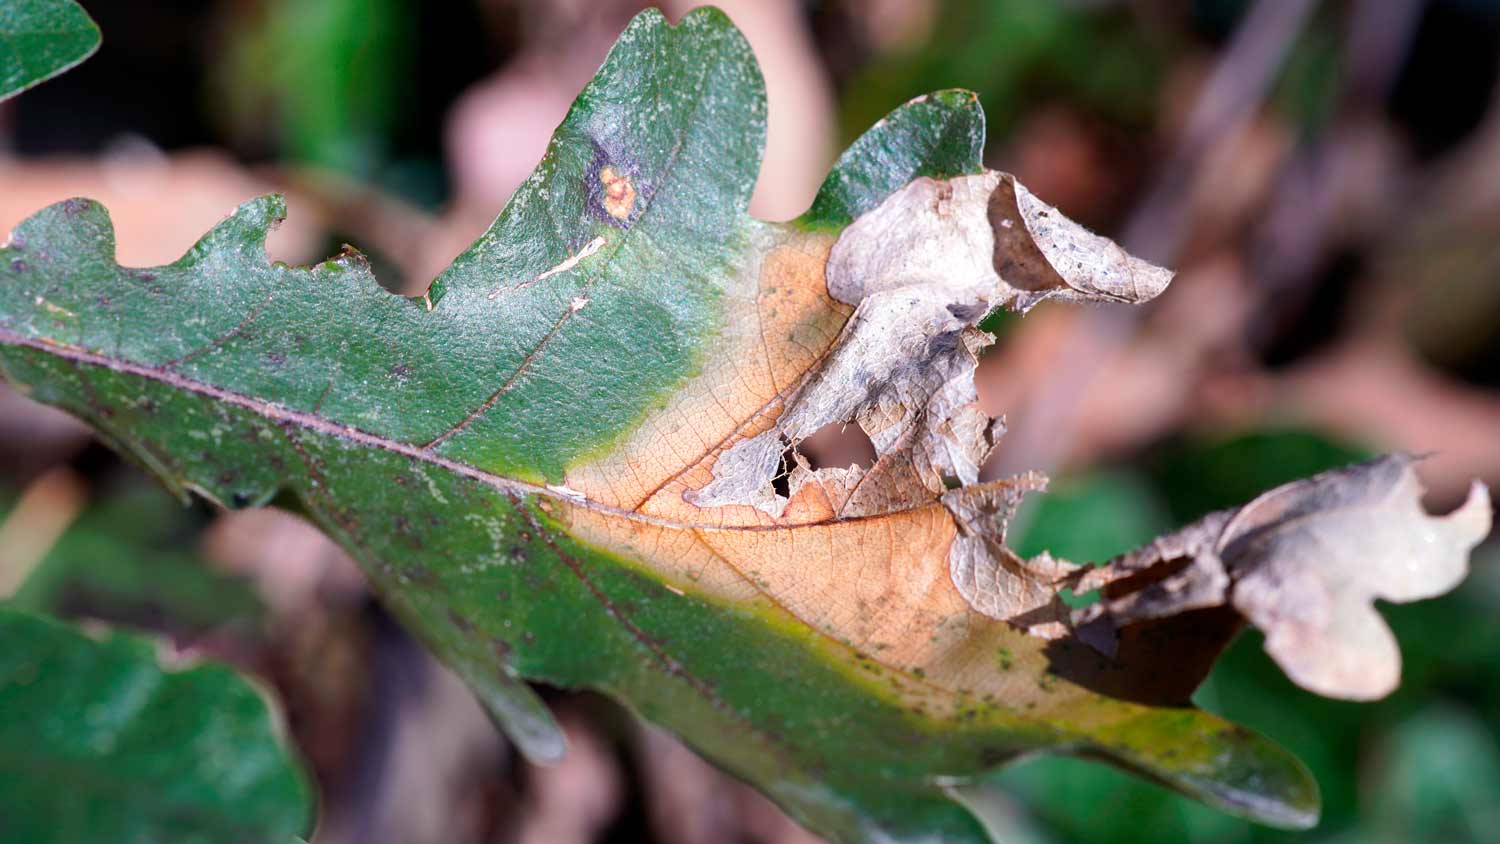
{"points": [[1305, 563], [921, 270]]}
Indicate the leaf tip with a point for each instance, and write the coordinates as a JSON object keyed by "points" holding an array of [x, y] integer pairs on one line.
{"points": [[1231, 768]]}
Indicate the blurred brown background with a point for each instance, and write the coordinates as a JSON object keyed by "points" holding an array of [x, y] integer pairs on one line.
{"points": [[1324, 175]]}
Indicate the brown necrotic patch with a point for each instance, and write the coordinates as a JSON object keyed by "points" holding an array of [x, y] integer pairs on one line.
{"points": [[618, 193], [615, 189]]}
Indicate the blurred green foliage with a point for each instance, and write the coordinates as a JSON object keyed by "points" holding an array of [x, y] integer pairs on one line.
{"points": [[40, 39], [106, 738], [128, 558], [325, 80], [1092, 516], [1015, 53], [1200, 476]]}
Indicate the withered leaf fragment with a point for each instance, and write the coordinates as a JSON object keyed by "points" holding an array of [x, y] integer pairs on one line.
{"points": [[1304, 562], [921, 270]]}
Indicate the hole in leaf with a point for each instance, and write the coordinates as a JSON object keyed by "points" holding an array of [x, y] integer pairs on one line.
{"points": [[1075, 600], [838, 445], [781, 482]]}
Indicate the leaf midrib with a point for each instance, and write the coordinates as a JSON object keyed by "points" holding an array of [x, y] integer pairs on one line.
{"points": [[282, 415], [278, 414]]}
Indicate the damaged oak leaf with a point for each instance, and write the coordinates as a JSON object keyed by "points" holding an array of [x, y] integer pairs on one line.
{"points": [[561, 464]]}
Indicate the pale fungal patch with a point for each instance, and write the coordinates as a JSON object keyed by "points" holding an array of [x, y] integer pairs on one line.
{"points": [[1304, 563], [432, 487], [563, 266], [495, 531]]}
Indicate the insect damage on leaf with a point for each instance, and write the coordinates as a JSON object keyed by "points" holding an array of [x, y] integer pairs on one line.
{"points": [[921, 270], [1304, 562], [562, 266]]}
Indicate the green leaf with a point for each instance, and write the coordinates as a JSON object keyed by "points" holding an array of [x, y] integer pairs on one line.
{"points": [[40, 39], [332, 75], [122, 560], [100, 742], [515, 457], [939, 135], [1199, 476]]}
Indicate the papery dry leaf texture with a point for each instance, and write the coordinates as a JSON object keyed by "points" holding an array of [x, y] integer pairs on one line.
{"points": [[1305, 562]]}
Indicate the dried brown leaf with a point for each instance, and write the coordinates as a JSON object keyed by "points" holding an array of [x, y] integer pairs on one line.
{"points": [[1305, 563], [921, 270]]}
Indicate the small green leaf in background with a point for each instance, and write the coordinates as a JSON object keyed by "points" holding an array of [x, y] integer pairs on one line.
{"points": [[40, 39], [324, 80], [100, 742], [123, 560]]}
